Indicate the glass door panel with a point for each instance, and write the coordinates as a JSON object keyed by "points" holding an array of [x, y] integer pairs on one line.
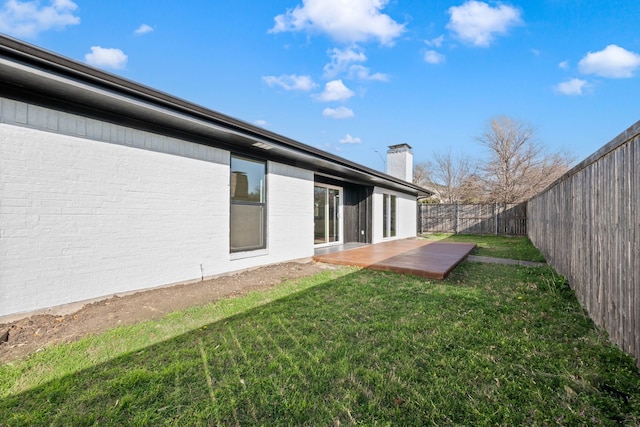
{"points": [[319, 214], [326, 215], [333, 199]]}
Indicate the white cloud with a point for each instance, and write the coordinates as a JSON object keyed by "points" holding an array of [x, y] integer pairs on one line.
{"points": [[572, 87], [433, 57], [29, 18], [106, 58], [341, 59], [261, 123], [143, 29], [564, 65], [364, 73], [290, 82], [613, 61], [338, 113], [437, 42], [345, 61], [348, 139], [536, 52], [349, 21], [478, 23], [335, 90]]}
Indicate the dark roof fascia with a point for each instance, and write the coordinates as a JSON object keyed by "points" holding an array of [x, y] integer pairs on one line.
{"points": [[50, 62]]}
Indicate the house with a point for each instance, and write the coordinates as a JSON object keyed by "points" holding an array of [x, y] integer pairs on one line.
{"points": [[108, 186]]}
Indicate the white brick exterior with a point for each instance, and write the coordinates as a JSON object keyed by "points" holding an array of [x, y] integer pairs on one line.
{"points": [[406, 215], [91, 209], [400, 162], [290, 195]]}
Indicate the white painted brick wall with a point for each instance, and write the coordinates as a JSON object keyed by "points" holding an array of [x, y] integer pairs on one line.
{"points": [[81, 218], [122, 210], [400, 163], [406, 215], [290, 211]]}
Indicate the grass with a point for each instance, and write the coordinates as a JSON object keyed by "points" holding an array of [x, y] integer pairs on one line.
{"points": [[518, 247], [491, 345]]}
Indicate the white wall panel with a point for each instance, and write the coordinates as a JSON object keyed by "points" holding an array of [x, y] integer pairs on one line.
{"points": [[81, 218], [122, 210], [406, 215]]}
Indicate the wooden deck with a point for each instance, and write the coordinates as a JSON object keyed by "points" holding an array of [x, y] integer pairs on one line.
{"points": [[434, 260]]}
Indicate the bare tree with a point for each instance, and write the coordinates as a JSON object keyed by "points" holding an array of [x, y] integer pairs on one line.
{"points": [[451, 172], [422, 174], [473, 190], [446, 176], [519, 166]]}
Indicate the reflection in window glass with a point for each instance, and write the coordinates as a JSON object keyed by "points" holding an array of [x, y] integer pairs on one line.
{"points": [[392, 215], [385, 215], [247, 180], [389, 214], [319, 214], [248, 204]]}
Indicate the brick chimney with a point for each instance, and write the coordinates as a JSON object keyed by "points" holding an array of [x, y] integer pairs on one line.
{"points": [[400, 162]]}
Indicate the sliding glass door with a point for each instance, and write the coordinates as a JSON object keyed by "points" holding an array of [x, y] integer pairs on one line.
{"points": [[326, 214]]}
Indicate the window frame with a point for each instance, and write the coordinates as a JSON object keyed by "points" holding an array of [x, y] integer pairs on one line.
{"points": [[262, 204], [338, 214]]}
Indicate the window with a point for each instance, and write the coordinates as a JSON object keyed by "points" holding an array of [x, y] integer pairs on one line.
{"points": [[389, 215], [248, 204]]}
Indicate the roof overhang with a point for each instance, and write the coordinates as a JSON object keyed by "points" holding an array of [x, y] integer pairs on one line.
{"points": [[30, 73]]}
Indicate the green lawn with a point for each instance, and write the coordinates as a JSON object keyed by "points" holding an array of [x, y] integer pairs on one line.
{"points": [[491, 345], [495, 246]]}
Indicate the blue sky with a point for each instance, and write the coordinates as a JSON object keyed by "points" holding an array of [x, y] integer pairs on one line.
{"points": [[354, 76]]}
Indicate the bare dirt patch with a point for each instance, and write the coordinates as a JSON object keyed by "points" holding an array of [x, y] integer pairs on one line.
{"points": [[33, 333]]}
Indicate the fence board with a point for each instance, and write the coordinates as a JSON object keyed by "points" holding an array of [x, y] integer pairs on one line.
{"points": [[587, 225], [509, 219]]}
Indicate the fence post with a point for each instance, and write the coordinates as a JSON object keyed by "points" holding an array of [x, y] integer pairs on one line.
{"points": [[456, 224]]}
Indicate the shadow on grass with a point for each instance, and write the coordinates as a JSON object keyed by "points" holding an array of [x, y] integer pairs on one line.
{"points": [[490, 345]]}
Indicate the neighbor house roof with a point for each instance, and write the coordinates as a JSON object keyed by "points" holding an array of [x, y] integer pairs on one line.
{"points": [[38, 76]]}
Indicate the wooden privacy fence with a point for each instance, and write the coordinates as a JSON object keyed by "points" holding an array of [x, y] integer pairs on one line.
{"points": [[498, 219], [587, 225]]}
